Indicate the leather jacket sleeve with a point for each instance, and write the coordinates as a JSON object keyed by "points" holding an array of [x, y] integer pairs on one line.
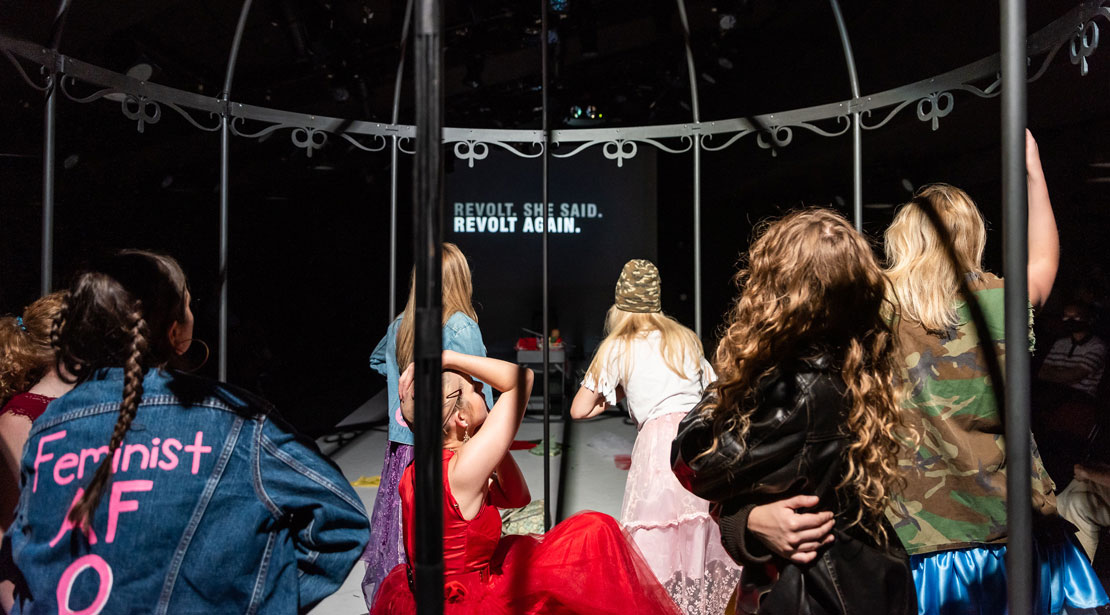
{"points": [[762, 466], [741, 474]]}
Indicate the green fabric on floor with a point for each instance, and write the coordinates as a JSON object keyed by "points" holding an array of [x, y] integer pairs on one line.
{"points": [[527, 520]]}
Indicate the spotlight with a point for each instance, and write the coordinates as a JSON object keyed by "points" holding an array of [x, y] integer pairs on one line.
{"points": [[727, 22], [907, 184], [584, 115], [559, 6]]}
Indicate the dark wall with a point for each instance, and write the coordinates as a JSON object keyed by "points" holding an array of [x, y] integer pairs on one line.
{"points": [[604, 215]]}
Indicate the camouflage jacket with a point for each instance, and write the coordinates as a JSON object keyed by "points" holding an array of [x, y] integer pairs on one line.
{"points": [[955, 493]]}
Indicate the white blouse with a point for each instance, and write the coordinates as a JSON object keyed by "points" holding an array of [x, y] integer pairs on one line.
{"points": [[651, 388]]}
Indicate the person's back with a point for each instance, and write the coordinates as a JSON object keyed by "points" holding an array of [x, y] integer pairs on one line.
{"points": [[213, 507], [796, 444], [146, 490], [804, 405]]}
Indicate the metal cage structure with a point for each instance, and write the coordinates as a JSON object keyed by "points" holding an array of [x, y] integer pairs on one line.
{"points": [[146, 104]]}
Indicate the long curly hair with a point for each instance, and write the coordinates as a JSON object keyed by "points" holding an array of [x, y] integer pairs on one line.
{"points": [[25, 352], [812, 285]]}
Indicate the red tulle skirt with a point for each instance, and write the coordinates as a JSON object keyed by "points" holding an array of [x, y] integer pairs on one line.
{"points": [[586, 564]]}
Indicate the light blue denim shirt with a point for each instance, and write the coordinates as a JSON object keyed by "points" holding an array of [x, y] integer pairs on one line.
{"points": [[460, 334], [214, 506]]}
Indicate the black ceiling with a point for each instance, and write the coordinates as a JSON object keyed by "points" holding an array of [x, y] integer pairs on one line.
{"points": [[339, 57]]}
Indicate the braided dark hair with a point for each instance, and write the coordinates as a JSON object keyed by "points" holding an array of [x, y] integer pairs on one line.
{"points": [[119, 314]]}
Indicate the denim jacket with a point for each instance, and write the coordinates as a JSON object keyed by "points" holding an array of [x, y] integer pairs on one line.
{"points": [[255, 520], [460, 334]]}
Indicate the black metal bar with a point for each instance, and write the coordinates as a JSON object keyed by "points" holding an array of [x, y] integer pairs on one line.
{"points": [[1015, 223], [546, 325], [405, 28], [225, 181], [857, 128], [48, 153], [427, 246], [695, 109]]}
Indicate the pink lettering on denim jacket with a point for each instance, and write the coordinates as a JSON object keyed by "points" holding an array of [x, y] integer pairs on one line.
{"points": [[117, 504], [41, 458], [67, 525], [163, 454], [65, 585]]}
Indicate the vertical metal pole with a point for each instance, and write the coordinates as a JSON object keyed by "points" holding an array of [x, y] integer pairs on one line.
{"points": [[225, 146], [697, 163], [1015, 222], [427, 244], [225, 181], [546, 325], [393, 164], [48, 145], [857, 129]]}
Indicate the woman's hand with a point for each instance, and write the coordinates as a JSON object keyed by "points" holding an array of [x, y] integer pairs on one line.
{"points": [[406, 389], [791, 535]]}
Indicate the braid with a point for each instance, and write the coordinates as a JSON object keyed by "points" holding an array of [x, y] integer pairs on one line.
{"points": [[56, 327], [132, 393]]}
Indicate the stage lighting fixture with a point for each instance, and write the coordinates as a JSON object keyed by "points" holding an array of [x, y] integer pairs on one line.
{"points": [[584, 115], [727, 22], [907, 184], [559, 6]]}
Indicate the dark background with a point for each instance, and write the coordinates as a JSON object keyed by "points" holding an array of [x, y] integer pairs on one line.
{"points": [[583, 267], [310, 235]]}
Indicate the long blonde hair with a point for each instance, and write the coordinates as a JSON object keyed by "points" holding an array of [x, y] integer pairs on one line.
{"points": [[812, 285], [457, 297], [925, 263], [678, 344]]}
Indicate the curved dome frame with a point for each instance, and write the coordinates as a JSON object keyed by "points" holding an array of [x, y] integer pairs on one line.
{"points": [[933, 99]]}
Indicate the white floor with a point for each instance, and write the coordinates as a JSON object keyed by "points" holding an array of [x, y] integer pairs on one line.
{"points": [[594, 482]]}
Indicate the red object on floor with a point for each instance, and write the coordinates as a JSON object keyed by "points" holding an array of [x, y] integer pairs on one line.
{"points": [[623, 462], [586, 564], [523, 445]]}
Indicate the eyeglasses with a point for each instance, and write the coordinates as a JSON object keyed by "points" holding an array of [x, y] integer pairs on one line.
{"points": [[450, 398]]}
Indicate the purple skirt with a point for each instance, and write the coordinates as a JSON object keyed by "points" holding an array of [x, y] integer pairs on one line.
{"points": [[386, 547]]}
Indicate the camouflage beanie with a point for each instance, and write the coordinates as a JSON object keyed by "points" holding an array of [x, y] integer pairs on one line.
{"points": [[638, 287]]}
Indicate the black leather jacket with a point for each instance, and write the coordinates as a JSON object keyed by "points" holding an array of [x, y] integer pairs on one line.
{"points": [[796, 445]]}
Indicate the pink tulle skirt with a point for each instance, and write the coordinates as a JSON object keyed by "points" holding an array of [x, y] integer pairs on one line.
{"points": [[585, 565], [672, 527]]}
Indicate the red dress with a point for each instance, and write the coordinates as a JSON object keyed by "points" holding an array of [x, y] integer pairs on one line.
{"points": [[30, 405], [586, 564]]}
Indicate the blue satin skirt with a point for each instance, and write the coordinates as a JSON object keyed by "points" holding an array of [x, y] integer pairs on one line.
{"points": [[973, 581]]}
